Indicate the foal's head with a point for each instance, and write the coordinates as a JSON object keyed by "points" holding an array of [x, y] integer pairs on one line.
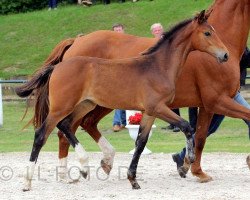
{"points": [[204, 38]]}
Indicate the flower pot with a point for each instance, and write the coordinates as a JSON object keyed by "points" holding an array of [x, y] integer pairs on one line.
{"points": [[133, 132]]}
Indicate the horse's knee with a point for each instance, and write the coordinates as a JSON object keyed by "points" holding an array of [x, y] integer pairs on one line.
{"points": [[60, 134]]}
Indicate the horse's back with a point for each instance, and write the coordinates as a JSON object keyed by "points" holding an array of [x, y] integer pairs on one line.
{"points": [[109, 44]]}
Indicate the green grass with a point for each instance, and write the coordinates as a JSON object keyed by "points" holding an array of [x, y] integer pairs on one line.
{"points": [[232, 136], [27, 39]]}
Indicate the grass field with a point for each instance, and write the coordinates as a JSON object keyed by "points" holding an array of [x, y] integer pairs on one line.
{"points": [[27, 39], [232, 136]]}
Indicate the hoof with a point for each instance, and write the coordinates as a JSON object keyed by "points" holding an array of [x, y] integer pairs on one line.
{"points": [[27, 185], [248, 161], [84, 174], [136, 186], [205, 179], [106, 168], [133, 181], [182, 172], [26, 189]]}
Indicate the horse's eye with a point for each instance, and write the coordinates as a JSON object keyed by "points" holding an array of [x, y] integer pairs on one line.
{"points": [[207, 34]]}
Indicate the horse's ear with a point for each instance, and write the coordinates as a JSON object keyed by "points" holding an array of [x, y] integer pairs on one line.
{"points": [[208, 13], [201, 17]]}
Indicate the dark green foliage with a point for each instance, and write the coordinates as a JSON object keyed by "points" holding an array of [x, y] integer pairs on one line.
{"points": [[18, 6]]}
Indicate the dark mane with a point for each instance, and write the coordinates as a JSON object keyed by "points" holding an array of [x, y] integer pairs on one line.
{"points": [[167, 35]]}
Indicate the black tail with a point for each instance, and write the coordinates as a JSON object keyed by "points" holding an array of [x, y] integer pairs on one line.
{"points": [[37, 81]]}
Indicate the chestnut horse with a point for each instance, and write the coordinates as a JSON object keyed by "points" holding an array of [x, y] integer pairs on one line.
{"points": [[148, 85], [211, 89]]}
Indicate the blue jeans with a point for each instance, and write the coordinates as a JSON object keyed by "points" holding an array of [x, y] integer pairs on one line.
{"points": [[216, 120], [52, 3], [119, 117]]}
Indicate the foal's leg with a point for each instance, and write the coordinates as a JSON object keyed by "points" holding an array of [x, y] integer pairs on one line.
{"points": [[166, 114], [40, 139], [141, 141], [68, 126], [89, 124]]}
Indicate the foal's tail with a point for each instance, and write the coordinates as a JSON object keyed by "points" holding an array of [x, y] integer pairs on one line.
{"points": [[58, 52], [39, 82]]}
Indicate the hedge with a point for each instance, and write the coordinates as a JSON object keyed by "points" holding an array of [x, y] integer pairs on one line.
{"points": [[17, 6]]}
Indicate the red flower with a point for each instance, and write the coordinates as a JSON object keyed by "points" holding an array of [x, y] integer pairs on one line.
{"points": [[135, 119]]}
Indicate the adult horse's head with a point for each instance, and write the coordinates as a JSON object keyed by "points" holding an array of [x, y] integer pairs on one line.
{"points": [[205, 38]]}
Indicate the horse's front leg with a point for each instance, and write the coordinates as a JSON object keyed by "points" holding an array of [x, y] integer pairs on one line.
{"points": [[166, 114], [202, 126], [141, 141]]}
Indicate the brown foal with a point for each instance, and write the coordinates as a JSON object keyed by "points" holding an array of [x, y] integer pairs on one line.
{"points": [[148, 85]]}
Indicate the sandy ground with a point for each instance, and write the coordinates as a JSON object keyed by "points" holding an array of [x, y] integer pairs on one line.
{"points": [[156, 173]]}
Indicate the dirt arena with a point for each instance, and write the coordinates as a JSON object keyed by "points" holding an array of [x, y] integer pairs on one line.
{"points": [[156, 173]]}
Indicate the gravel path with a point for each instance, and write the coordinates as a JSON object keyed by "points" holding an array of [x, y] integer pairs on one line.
{"points": [[157, 174]]}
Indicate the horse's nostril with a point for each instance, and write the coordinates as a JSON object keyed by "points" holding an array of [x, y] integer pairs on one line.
{"points": [[225, 57]]}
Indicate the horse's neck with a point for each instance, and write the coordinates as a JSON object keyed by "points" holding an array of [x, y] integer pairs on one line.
{"points": [[231, 20], [172, 55]]}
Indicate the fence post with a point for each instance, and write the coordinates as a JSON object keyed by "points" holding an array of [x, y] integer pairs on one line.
{"points": [[1, 106]]}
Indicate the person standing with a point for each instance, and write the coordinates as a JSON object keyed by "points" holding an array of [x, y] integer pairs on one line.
{"points": [[106, 1], [119, 120], [157, 30], [52, 4]]}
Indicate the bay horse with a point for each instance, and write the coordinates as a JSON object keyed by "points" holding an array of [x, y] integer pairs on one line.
{"points": [[148, 85], [210, 89]]}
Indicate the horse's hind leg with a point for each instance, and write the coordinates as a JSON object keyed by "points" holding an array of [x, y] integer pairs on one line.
{"points": [[40, 139], [69, 125], [63, 154], [89, 124], [141, 141]]}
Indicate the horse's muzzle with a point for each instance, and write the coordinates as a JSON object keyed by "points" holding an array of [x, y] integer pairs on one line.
{"points": [[223, 58]]}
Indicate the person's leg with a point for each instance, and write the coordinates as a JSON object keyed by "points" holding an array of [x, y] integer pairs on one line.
{"points": [[177, 111], [240, 99], [171, 126], [215, 123], [50, 3], [117, 120], [192, 114], [54, 4], [106, 1], [123, 118]]}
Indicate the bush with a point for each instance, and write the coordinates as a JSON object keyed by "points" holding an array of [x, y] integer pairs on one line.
{"points": [[17, 6]]}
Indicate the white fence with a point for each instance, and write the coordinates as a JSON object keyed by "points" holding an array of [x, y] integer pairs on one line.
{"points": [[1, 96]]}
